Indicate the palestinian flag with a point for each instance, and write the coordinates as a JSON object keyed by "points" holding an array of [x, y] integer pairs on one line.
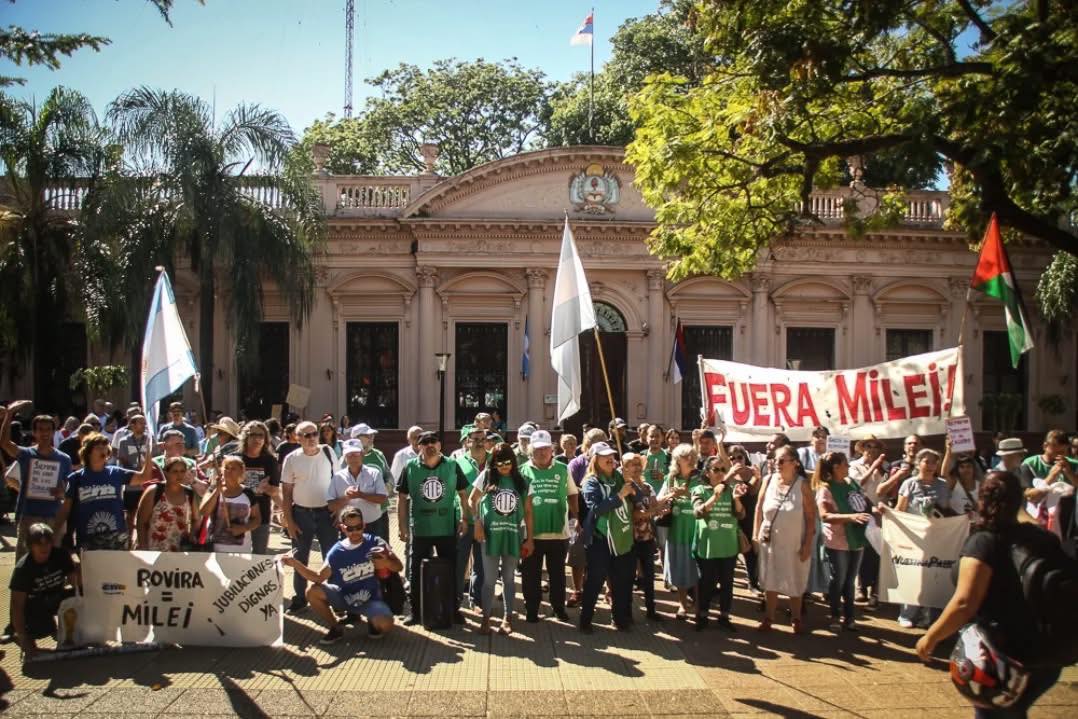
{"points": [[994, 277]]}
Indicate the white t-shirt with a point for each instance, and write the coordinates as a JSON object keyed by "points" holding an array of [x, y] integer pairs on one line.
{"points": [[869, 482], [963, 501], [309, 475], [369, 481], [400, 461], [238, 509]]}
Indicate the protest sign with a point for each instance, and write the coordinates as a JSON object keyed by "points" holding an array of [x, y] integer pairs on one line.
{"points": [[207, 599], [918, 558], [298, 396], [44, 478], [277, 412], [960, 430], [912, 395], [838, 444]]}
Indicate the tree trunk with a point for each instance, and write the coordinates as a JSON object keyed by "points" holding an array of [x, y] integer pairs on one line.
{"points": [[206, 310]]}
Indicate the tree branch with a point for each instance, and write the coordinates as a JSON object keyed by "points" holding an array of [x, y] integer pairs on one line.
{"points": [[955, 69], [987, 33]]}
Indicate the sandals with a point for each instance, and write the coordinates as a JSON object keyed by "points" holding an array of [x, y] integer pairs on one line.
{"points": [[484, 628], [506, 628]]}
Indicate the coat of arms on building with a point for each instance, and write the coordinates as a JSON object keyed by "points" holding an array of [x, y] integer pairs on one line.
{"points": [[594, 190]]}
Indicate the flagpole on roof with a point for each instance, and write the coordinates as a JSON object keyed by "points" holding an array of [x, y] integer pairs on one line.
{"points": [[591, 91]]}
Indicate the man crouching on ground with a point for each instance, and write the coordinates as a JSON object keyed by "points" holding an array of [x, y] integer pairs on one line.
{"points": [[349, 579]]}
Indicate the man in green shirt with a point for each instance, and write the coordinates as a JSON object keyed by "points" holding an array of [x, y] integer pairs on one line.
{"points": [[555, 499], [472, 458], [429, 488], [1053, 477]]}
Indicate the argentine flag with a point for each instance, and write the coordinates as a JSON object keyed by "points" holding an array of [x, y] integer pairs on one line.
{"points": [[573, 314], [167, 360]]}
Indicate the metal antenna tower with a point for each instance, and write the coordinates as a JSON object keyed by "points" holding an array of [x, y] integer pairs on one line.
{"points": [[349, 27]]}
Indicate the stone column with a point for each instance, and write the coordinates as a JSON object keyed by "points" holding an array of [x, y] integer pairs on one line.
{"points": [[427, 379], [863, 329], [761, 286], [956, 289], [538, 353], [656, 409]]}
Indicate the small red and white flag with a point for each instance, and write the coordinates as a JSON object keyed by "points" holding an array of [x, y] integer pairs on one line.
{"points": [[586, 33]]}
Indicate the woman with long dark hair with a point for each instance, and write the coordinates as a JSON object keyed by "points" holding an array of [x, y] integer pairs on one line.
{"points": [[844, 516], [261, 475], [500, 502], [989, 590]]}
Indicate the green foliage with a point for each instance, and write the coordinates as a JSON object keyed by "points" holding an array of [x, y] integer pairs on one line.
{"points": [[1057, 293], [475, 111], [98, 380], [18, 45], [795, 87], [566, 116]]}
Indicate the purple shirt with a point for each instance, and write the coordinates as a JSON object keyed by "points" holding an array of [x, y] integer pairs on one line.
{"points": [[578, 465]]}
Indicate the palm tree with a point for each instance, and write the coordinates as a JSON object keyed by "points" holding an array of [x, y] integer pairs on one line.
{"points": [[51, 154], [198, 203]]}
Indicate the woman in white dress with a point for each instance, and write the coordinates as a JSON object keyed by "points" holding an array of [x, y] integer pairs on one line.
{"points": [[785, 533]]}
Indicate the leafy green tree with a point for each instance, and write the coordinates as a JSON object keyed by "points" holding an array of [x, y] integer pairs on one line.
{"points": [[198, 203], [49, 152], [19, 45], [475, 111], [795, 87]]}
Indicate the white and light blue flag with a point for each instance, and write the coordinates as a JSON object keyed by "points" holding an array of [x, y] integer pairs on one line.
{"points": [[167, 360], [573, 314]]}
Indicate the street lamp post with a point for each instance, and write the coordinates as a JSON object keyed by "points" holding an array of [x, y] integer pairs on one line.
{"points": [[443, 365]]}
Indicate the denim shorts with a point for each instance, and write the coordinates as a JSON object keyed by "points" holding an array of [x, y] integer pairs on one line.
{"points": [[370, 609]]}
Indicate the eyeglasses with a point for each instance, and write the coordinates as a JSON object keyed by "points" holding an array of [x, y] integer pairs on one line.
{"points": [[308, 435], [352, 528], [504, 463], [784, 460]]}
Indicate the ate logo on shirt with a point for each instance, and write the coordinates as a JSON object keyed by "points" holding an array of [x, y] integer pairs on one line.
{"points": [[505, 502], [857, 501], [432, 489]]}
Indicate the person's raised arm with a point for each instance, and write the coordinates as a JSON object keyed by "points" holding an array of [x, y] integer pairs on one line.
{"points": [[209, 501], [10, 448], [143, 515], [145, 473]]}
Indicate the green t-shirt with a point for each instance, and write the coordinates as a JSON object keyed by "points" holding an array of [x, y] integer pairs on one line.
{"points": [[471, 469], [549, 490], [502, 513], [1040, 468], [656, 461], [682, 516], [840, 492], [375, 458], [433, 493], [716, 533], [616, 525]]}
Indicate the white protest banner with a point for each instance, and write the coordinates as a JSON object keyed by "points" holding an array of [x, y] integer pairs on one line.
{"points": [[189, 598], [912, 395], [918, 558], [960, 430]]}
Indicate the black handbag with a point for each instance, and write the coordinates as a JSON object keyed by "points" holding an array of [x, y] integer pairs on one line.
{"points": [[393, 593]]}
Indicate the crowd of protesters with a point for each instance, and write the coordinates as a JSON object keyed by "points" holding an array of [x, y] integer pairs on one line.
{"points": [[611, 511]]}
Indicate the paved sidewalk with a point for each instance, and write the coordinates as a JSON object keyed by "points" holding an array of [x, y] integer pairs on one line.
{"points": [[548, 669]]}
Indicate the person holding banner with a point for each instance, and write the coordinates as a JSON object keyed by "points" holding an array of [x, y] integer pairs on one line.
{"points": [[95, 497], [868, 472], [348, 581], [925, 494], [166, 511], [844, 514], [233, 509], [38, 586], [785, 532], [679, 566]]}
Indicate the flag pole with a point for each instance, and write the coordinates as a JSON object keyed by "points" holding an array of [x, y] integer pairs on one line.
{"points": [[606, 381], [591, 85], [198, 384]]}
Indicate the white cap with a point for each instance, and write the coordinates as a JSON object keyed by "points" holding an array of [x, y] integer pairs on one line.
{"points": [[541, 438], [362, 429], [602, 449], [351, 446], [526, 430]]}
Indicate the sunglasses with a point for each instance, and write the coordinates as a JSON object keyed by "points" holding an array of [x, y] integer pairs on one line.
{"points": [[427, 442], [715, 469], [308, 435], [504, 463], [351, 528], [784, 460], [737, 456]]}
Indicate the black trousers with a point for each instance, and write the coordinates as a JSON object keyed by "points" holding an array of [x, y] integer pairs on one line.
{"points": [[423, 548], [751, 558], [869, 571], [644, 556], [620, 570], [716, 577], [551, 551]]}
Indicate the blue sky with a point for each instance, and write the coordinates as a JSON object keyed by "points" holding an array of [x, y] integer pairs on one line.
{"points": [[289, 54]]}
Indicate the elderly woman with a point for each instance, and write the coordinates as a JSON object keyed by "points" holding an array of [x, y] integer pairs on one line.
{"points": [[717, 507], [924, 493], [261, 475], [679, 566], [608, 534], [646, 507], [501, 504], [844, 515], [868, 472], [784, 531]]}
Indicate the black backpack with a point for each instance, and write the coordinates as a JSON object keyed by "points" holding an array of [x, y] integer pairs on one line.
{"points": [[1050, 587]]}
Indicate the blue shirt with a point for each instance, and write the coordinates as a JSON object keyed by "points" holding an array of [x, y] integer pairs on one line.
{"points": [[190, 434], [36, 471], [100, 501], [353, 571]]}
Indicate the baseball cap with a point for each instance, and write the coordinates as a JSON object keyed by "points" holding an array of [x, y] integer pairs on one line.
{"points": [[352, 446], [602, 449], [466, 431], [541, 438], [619, 422], [494, 437], [362, 429], [427, 437], [526, 430]]}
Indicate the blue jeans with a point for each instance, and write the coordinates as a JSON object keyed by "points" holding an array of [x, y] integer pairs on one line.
{"points": [[1040, 681], [843, 564], [473, 585], [313, 524], [507, 564]]}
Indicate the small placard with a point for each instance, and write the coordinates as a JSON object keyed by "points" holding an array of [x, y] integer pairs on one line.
{"points": [[838, 444], [298, 395], [44, 479], [960, 430], [277, 411]]}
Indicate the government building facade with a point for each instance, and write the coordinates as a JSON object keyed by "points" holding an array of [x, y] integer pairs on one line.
{"points": [[425, 265]]}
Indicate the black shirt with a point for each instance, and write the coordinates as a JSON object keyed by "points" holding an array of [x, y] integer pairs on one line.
{"points": [[1004, 604], [43, 583], [256, 469], [70, 447], [286, 448]]}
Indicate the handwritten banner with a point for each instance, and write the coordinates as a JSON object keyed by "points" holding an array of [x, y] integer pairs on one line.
{"points": [[195, 599], [912, 395]]}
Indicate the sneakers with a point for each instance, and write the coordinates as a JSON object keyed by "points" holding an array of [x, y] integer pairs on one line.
{"points": [[296, 606], [411, 621], [332, 635], [561, 615], [905, 623]]}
